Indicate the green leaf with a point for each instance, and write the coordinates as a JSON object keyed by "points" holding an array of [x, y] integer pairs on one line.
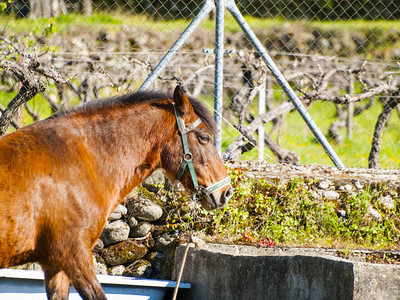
{"points": [[3, 7]]}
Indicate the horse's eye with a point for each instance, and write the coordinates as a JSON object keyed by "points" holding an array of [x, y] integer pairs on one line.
{"points": [[204, 139]]}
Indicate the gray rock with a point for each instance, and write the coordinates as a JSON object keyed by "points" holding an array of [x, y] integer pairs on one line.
{"points": [[99, 265], [140, 268], [117, 270], [114, 217], [124, 252], [374, 213], [163, 242], [315, 194], [358, 184], [132, 222], [387, 201], [98, 247], [396, 53], [115, 232], [324, 184], [145, 210], [155, 181], [118, 213], [134, 194], [331, 195], [141, 230], [346, 188], [120, 209]]}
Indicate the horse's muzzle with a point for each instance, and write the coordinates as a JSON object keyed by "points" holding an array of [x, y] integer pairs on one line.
{"points": [[226, 195], [215, 201]]}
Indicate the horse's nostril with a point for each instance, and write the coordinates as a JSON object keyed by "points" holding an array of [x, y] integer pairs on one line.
{"points": [[227, 195]]}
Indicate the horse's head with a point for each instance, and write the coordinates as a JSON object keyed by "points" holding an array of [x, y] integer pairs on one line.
{"points": [[195, 160]]}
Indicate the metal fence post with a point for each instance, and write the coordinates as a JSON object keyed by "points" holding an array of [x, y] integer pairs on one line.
{"points": [[350, 107], [219, 69], [218, 83], [261, 130], [205, 10], [233, 9]]}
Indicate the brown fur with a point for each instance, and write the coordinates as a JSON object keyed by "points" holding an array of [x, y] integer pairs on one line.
{"points": [[61, 178]]}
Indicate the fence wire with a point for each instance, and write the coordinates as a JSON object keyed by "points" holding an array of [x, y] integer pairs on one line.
{"points": [[341, 57]]}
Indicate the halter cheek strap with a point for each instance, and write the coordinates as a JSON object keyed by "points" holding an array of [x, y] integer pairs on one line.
{"points": [[187, 158], [187, 155]]}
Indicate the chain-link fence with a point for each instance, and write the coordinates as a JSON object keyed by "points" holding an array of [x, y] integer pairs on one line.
{"points": [[339, 56]]}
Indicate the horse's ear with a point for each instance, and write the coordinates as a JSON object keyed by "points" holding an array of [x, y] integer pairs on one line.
{"points": [[181, 101]]}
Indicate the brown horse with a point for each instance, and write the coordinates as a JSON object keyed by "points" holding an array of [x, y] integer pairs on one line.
{"points": [[61, 178]]}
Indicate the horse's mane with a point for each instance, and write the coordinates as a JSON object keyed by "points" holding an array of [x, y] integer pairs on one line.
{"points": [[141, 97]]}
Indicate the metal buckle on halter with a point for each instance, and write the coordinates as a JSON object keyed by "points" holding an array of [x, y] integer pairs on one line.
{"points": [[187, 159]]}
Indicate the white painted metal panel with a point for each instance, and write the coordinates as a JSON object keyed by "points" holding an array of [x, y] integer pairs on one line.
{"points": [[21, 285]]}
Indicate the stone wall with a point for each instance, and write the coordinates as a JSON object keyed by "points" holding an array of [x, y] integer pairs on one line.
{"points": [[331, 183], [130, 245], [338, 178]]}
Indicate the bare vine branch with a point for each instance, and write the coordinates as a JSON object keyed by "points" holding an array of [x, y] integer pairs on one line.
{"points": [[30, 74], [346, 99], [31, 85], [379, 129]]}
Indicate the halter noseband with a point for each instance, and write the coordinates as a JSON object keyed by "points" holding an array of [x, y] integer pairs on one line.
{"points": [[187, 159]]}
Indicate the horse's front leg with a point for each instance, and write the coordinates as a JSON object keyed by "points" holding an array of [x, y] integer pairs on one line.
{"points": [[57, 284], [80, 270]]}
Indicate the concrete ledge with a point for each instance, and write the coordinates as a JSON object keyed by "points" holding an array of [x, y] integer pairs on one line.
{"points": [[244, 272]]}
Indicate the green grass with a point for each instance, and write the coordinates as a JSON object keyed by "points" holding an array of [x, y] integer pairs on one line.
{"points": [[360, 25], [294, 135], [355, 152], [94, 22], [116, 20]]}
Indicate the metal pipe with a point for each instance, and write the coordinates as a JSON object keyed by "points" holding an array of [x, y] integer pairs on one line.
{"points": [[219, 71], [350, 107], [233, 9], [204, 11], [261, 129]]}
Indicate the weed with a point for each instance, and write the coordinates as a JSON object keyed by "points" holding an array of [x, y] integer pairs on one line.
{"points": [[269, 212]]}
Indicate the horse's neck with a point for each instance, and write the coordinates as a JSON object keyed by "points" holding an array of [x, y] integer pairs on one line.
{"points": [[128, 145]]}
